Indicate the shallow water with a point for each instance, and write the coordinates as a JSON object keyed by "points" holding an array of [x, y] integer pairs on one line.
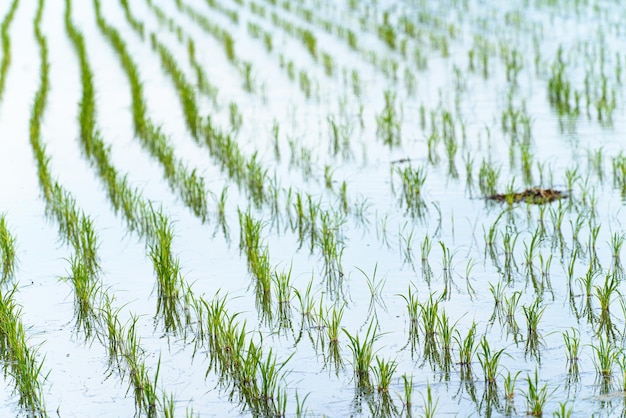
{"points": [[376, 234]]}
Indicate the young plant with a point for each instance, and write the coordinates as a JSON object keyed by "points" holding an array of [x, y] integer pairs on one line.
{"points": [[572, 346], [467, 348], [533, 314], [606, 357], [407, 400], [383, 372], [363, 354], [536, 396], [430, 404], [489, 361], [413, 310]]}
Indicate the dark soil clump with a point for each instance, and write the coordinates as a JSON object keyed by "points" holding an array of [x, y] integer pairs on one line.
{"points": [[534, 195]]}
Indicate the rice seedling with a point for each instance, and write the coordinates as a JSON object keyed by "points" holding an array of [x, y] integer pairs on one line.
{"points": [[7, 251], [272, 398], [363, 354], [617, 241], [606, 357], [572, 346], [509, 308], [375, 287], [536, 395], [446, 332], [407, 399], [332, 326], [85, 290], [412, 199], [563, 411], [467, 348], [450, 142], [307, 307], [605, 294], [429, 314], [389, 122], [283, 295], [430, 404], [383, 373], [331, 247], [137, 25], [509, 386], [533, 314], [488, 178], [489, 361], [413, 310], [446, 267], [497, 291]]}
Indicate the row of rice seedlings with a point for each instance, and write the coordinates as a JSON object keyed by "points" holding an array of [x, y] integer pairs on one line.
{"points": [[203, 84], [248, 173], [137, 25], [308, 85], [567, 100], [95, 315], [232, 158], [74, 226], [245, 67], [221, 34], [162, 17], [185, 91], [6, 45], [257, 32], [189, 185], [231, 14], [387, 65], [309, 41], [18, 358], [140, 214]]}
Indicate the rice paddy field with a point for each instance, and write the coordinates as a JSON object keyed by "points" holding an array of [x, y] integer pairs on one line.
{"points": [[312, 208]]}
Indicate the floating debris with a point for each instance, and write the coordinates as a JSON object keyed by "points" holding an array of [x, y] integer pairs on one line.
{"points": [[534, 195]]}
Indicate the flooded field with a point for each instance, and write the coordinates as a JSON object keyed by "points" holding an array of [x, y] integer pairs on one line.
{"points": [[312, 208]]}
